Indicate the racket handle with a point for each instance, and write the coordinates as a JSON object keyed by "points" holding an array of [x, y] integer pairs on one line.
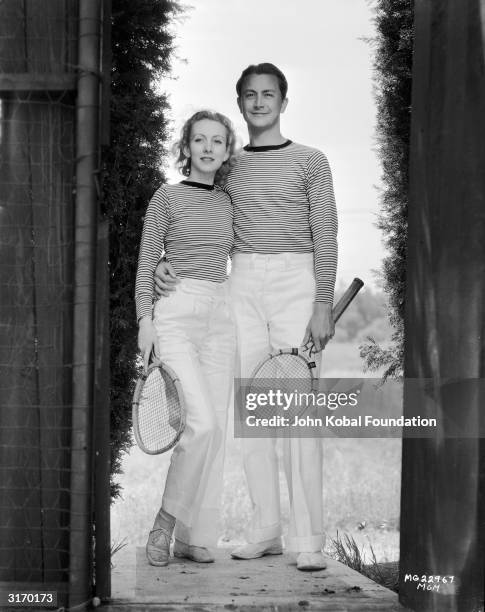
{"points": [[353, 289], [153, 358]]}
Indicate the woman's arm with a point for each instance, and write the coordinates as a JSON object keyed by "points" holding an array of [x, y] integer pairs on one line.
{"points": [[155, 227]]}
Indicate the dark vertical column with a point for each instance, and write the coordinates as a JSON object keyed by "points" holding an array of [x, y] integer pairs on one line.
{"points": [[86, 221], [442, 478]]}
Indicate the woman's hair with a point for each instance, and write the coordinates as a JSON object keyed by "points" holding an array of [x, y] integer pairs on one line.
{"points": [[183, 162]]}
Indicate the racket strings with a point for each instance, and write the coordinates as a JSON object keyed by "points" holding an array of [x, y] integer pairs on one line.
{"points": [[284, 366], [288, 373], [159, 413]]}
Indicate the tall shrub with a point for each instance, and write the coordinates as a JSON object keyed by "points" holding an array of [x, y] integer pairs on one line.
{"points": [[142, 46], [392, 77]]}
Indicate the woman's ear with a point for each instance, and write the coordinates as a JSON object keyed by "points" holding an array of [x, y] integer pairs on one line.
{"points": [[186, 151]]}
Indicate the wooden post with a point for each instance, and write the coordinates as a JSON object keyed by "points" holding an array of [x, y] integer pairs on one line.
{"points": [[442, 478], [86, 220]]}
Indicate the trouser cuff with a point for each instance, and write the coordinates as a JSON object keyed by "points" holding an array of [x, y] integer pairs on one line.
{"points": [[313, 543], [261, 534]]}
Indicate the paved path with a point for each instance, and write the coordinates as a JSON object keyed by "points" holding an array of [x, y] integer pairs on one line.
{"points": [[269, 583]]}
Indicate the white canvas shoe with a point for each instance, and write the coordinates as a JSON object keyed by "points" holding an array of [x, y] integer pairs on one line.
{"points": [[158, 547], [199, 554], [259, 549], [310, 561]]}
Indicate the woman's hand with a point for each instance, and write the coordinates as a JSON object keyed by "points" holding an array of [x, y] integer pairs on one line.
{"points": [[165, 279], [147, 339], [320, 328]]}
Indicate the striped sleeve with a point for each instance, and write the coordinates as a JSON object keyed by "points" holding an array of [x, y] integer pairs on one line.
{"points": [[151, 248], [323, 224]]}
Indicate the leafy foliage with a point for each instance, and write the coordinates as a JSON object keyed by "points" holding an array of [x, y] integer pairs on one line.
{"points": [[393, 74], [142, 46]]}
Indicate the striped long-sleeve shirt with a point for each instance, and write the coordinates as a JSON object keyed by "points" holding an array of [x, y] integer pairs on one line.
{"points": [[284, 202], [192, 223]]}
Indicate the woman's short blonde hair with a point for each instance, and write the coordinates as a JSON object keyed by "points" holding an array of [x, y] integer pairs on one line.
{"points": [[183, 162]]}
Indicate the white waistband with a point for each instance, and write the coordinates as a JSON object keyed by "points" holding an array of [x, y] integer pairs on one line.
{"points": [[197, 286], [285, 260]]}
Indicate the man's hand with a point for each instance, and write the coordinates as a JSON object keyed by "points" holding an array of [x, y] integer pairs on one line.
{"points": [[320, 328], [165, 279], [147, 339]]}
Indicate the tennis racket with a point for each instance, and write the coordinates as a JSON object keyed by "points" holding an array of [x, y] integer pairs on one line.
{"points": [[158, 409], [291, 368]]}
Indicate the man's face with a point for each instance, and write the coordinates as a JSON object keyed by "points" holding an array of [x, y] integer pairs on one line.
{"points": [[261, 103]]}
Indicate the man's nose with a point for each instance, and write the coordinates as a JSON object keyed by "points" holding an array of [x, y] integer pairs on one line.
{"points": [[258, 101]]}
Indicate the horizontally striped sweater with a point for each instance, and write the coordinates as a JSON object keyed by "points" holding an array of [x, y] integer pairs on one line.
{"points": [[284, 202], [191, 223]]}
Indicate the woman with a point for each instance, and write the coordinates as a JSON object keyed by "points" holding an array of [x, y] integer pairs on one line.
{"points": [[192, 331]]}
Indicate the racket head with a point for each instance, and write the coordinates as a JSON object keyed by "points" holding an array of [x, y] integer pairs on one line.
{"points": [[158, 409], [288, 370]]}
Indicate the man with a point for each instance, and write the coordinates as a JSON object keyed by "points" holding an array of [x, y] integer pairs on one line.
{"points": [[282, 285]]}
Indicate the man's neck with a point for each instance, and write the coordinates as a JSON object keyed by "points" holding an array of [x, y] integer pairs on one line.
{"points": [[266, 138]]}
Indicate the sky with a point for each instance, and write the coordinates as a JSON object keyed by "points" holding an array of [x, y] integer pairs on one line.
{"points": [[319, 46]]}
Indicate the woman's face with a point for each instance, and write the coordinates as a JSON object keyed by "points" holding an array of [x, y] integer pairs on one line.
{"points": [[207, 148]]}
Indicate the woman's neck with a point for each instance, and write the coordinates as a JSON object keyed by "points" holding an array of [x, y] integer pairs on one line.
{"points": [[199, 177]]}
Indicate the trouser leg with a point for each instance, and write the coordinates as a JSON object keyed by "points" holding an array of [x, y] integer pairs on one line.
{"points": [[181, 326], [216, 355], [302, 457], [259, 454]]}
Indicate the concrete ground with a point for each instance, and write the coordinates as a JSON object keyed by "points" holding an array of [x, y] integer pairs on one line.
{"points": [[269, 583]]}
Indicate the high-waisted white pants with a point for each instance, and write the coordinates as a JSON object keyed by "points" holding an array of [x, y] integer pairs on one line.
{"points": [[196, 338], [272, 298]]}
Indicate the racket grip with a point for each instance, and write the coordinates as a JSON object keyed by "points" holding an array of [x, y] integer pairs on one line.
{"points": [[153, 358], [340, 307]]}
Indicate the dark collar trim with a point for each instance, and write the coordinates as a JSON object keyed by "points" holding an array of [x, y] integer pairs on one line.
{"points": [[268, 147], [199, 185]]}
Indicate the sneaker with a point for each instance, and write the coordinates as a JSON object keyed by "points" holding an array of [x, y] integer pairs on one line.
{"points": [[199, 554], [259, 549], [310, 561], [158, 547]]}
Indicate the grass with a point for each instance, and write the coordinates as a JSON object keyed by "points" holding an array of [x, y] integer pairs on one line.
{"points": [[347, 551], [116, 547]]}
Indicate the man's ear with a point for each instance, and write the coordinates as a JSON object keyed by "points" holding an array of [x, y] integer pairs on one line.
{"points": [[284, 104]]}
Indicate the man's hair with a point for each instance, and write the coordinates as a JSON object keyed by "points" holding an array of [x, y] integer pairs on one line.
{"points": [[263, 68]]}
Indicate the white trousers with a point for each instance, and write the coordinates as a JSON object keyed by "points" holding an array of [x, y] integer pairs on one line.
{"points": [[196, 338], [272, 297]]}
